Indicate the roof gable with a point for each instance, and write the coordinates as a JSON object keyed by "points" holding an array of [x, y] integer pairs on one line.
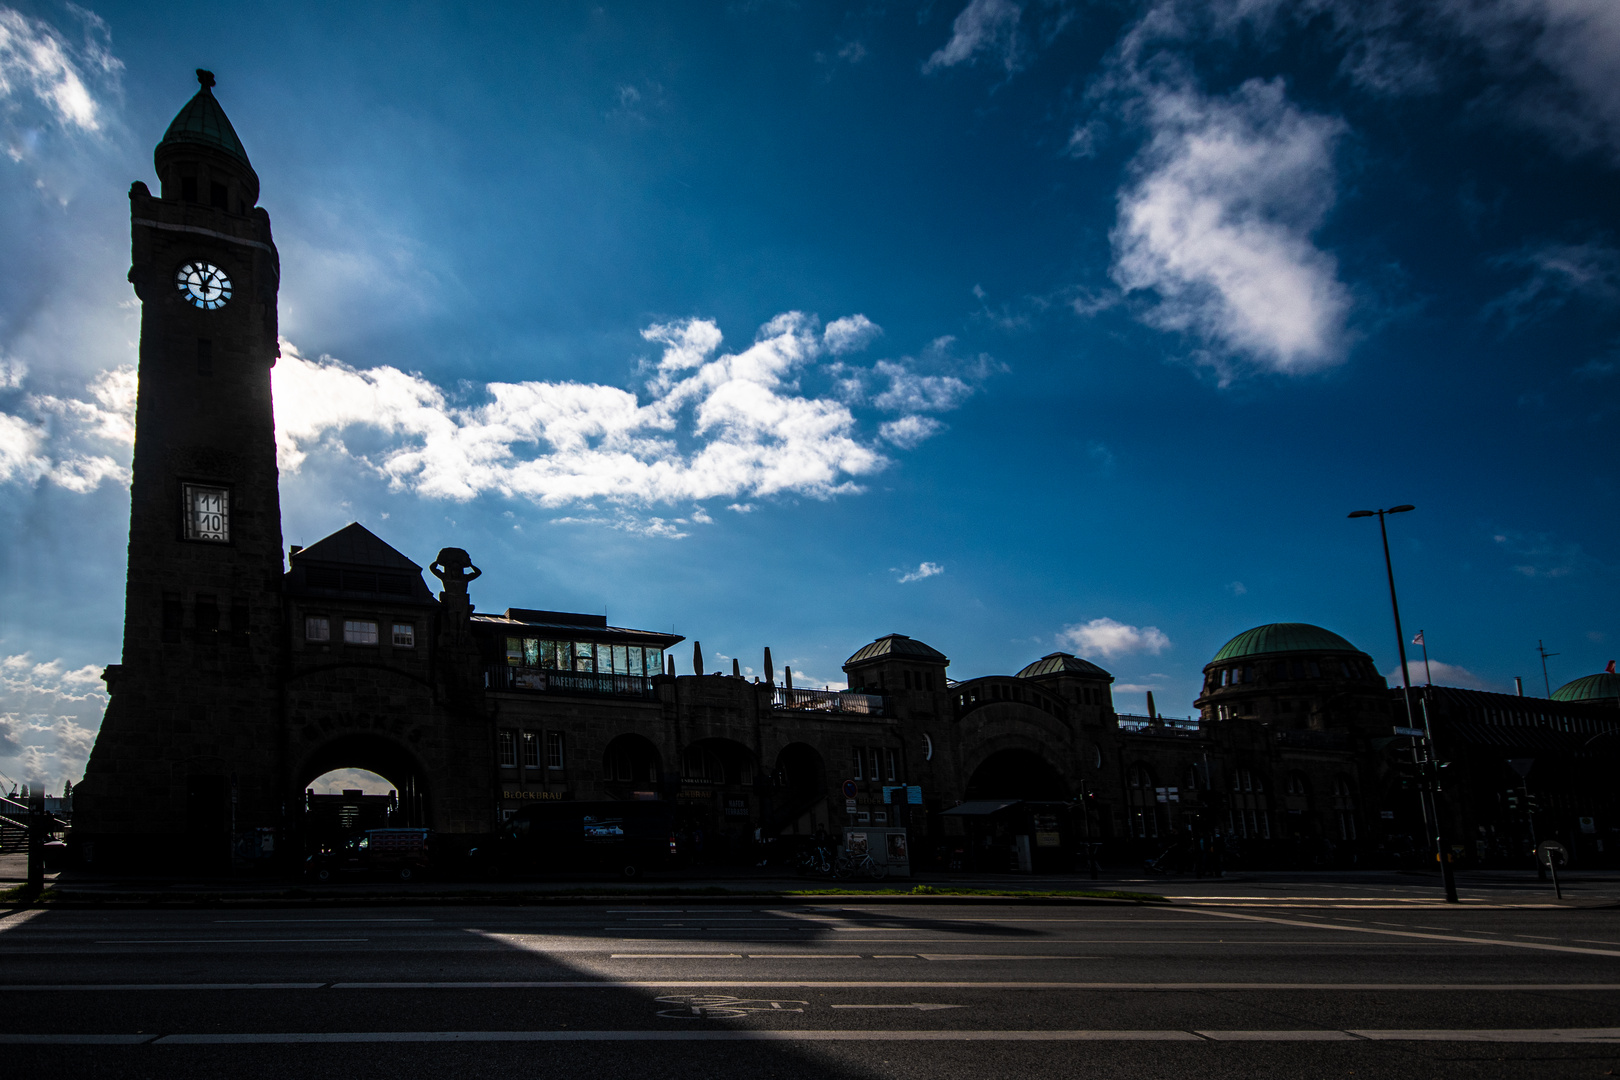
{"points": [[356, 545]]}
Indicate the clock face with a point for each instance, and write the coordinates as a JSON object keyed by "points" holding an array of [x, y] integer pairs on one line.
{"points": [[204, 285]]}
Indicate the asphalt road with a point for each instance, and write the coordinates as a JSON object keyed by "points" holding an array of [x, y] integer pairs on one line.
{"points": [[1367, 983]]}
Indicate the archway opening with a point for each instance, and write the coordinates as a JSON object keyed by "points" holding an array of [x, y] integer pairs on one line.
{"points": [[718, 804], [1017, 774], [800, 791], [360, 782], [631, 768]]}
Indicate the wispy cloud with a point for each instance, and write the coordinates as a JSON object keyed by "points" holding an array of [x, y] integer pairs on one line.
{"points": [[48, 719], [983, 27], [1558, 273], [39, 65], [1110, 638], [1443, 674], [924, 570], [1542, 556]]}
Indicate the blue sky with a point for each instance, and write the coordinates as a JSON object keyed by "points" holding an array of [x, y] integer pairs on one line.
{"points": [[1011, 326]]}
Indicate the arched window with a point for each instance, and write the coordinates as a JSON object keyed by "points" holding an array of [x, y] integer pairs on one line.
{"points": [[1344, 808], [1250, 815], [1142, 802], [1297, 784]]}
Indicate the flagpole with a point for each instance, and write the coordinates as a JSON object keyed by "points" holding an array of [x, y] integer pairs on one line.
{"points": [[1419, 640]]}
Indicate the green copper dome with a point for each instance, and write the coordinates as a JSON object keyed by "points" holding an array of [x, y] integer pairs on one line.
{"points": [[1599, 687], [202, 122], [1283, 637], [1062, 663]]}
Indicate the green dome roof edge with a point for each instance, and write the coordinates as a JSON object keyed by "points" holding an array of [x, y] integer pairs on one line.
{"points": [[1283, 638], [1598, 687], [202, 121]]}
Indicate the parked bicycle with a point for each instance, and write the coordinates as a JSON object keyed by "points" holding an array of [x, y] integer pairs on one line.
{"points": [[862, 865], [815, 862]]}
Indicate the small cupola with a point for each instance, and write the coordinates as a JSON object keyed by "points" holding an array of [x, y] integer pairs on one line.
{"points": [[200, 159]]}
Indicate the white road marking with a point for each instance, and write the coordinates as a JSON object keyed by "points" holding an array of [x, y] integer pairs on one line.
{"points": [[1609, 1036], [993, 956], [804, 956], [674, 956], [307, 921], [920, 1006], [1412, 934], [844, 984], [18, 918], [231, 941]]}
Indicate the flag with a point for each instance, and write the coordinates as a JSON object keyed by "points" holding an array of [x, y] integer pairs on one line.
{"points": [[1419, 639], [1610, 669]]}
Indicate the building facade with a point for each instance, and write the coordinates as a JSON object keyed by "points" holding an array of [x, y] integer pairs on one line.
{"points": [[247, 673]]}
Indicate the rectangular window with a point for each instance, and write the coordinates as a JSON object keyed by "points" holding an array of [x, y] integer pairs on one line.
{"points": [[531, 750], [621, 660], [404, 635], [205, 357], [655, 661], [554, 750], [506, 743], [317, 628], [635, 661], [531, 652], [188, 189], [207, 512], [874, 759], [584, 656], [359, 631], [217, 196], [890, 763], [206, 612], [860, 759], [514, 651], [173, 617]]}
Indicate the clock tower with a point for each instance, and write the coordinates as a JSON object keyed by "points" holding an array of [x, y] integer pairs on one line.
{"points": [[192, 739]]}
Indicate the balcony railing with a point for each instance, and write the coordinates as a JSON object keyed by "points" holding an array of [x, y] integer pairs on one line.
{"points": [[1157, 725], [545, 681], [832, 701]]}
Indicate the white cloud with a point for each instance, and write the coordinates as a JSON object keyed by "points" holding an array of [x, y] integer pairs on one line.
{"points": [[909, 432], [48, 719], [724, 425], [1238, 588], [1442, 675], [850, 334], [989, 26], [37, 62], [1218, 223], [1109, 638], [924, 570], [61, 446], [910, 392]]}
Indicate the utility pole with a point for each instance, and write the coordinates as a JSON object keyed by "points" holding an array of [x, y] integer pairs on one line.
{"points": [[1542, 649]]}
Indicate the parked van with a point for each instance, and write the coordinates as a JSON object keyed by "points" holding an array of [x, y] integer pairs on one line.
{"points": [[400, 853], [626, 839]]}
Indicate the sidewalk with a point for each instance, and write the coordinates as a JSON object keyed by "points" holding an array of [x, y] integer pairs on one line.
{"points": [[739, 884]]}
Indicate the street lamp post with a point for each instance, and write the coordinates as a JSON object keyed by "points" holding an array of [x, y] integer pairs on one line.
{"points": [[1430, 780]]}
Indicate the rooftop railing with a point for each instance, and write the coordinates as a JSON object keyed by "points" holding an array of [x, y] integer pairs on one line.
{"points": [[1157, 725], [832, 701], [547, 681]]}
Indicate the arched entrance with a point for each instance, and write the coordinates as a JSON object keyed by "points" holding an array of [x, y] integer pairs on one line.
{"points": [[1017, 774], [800, 793], [330, 818], [718, 803], [631, 768]]}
